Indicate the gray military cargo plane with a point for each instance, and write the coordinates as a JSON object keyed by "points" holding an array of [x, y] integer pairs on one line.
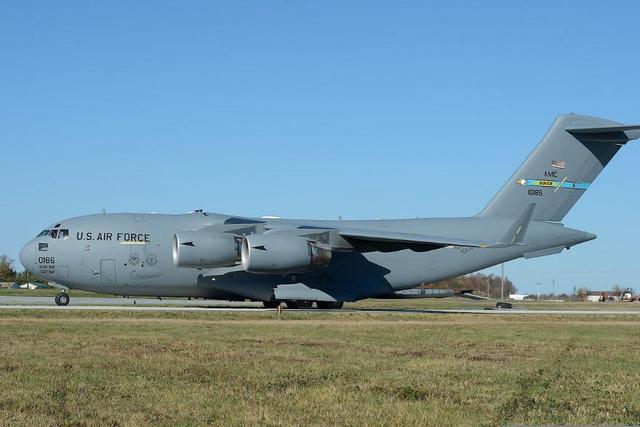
{"points": [[228, 257]]}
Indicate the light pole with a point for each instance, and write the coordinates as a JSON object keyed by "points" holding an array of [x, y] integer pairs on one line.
{"points": [[538, 284], [502, 282]]}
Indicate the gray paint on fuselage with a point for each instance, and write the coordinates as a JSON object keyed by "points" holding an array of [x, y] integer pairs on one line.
{"points": [[146, 268]]}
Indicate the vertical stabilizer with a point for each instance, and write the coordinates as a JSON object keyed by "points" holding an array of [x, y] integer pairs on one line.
{"points": [[561, 168]]}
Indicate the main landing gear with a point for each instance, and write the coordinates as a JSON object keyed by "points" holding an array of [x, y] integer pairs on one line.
{"points": [[62, 298], [330, 305], [271, 304], [301, 303], [304, 304]]}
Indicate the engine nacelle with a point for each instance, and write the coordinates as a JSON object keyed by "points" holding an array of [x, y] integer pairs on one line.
{"points": [[277, 253], [198, 249]]}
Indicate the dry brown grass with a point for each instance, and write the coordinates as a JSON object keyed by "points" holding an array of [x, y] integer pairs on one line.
{"points": [[75, 368]]}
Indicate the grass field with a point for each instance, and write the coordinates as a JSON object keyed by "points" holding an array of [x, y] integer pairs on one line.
{"points": [[81, 368]]}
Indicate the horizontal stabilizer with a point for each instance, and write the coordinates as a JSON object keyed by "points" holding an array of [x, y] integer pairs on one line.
{"points": [[544, 252], [611, 134]]}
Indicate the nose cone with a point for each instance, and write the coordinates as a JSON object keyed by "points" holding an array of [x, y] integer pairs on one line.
{"points": [[26, 256]]}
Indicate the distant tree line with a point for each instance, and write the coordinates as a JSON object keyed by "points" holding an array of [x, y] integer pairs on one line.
{"points": [[9, 274], [488, 285]]}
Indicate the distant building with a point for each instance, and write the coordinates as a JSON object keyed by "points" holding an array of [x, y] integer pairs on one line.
{"points": [[518, 297], [596, 296]]}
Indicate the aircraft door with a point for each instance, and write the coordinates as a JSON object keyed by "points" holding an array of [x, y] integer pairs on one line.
{"points": [[63, 272], [108, 271]]}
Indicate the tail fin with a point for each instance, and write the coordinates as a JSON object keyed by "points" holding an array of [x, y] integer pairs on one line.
{"points": [[568, 159]]}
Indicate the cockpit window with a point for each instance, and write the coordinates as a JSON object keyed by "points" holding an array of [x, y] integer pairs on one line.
{"points": [[43, 233], [62, 233]]}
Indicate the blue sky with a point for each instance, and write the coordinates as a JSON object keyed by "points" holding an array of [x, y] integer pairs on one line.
{"points": [[313, 109]]}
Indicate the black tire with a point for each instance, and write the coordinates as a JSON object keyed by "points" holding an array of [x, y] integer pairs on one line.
{"points": [[62, 299], [271, 304], [305, 303], [330, 305], [292, 304]]}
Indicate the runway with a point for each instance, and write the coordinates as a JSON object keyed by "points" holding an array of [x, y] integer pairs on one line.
{"points": [[184, 305], [126, 302]]}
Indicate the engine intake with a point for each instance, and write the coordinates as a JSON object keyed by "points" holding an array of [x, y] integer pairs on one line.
{"points": [[198, 249], [273, 253]]}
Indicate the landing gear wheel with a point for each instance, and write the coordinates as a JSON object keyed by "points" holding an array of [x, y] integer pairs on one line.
{"points": [[330, 305], [271, 304], [305, 303], [292, 304], [62, 299]]}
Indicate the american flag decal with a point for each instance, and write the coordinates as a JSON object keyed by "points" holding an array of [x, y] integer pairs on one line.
{"points": [[558, 164]]}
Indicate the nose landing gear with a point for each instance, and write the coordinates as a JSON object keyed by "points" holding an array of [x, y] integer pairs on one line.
{"points": [[62, 298]]}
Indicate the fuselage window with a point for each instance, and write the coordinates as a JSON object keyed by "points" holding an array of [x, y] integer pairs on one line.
{"points": [[43, 233], [53, 234]]}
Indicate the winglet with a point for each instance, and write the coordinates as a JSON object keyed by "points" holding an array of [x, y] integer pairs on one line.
{"points": [[515, 234]]}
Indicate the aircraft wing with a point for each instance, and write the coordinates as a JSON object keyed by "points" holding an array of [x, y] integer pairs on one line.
{"points": [[390, 241]]}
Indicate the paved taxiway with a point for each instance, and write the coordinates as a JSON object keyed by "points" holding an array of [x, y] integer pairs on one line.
{"points": [[119, 301], [173, 305]]}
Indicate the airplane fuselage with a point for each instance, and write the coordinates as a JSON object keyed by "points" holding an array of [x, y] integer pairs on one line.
{"points": [[131, 254]]}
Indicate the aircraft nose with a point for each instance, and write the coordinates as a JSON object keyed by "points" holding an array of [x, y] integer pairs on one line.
{"points": [[26, 256]]}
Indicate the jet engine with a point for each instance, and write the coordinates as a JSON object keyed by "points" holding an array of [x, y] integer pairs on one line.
{"points": [[277, 253], [198, 249]]}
